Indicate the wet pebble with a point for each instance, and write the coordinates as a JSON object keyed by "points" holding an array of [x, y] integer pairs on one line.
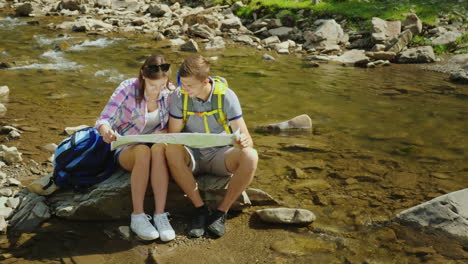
{"points": [[124, 231], [6, 192], [13, 182], [71, 130], [268, 57], [286, 215], [4, 91]]}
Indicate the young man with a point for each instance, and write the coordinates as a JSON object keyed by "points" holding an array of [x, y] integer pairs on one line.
{"points": [[205, 104]]}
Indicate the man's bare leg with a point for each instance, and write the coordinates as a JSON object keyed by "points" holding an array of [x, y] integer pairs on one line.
{"points": [[178, 160]]}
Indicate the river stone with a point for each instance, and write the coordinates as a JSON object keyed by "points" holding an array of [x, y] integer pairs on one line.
{"points": [[71, 130], [124, 231], [244, 39], [383, 30], [71, 4], [413, 23], [231, 23], [281, 32], [353, 58], [3, 225], [286, 216], [270, 41], [176, 42], [10, 154], [446, 38], [268, 57], [51, 147], [111, 199], [103, 3], [215, 43], [13, 202], [13, 182], [160, 10], [298, 122], [401, 42], [424, 54], [6, 192], [460, 77], [5, 212], [202, 31], [4, 91], [24, 10], [381, 55], [325, 37], [31, 212], [259, 197], [190, 46], [447, 214], [3, 109]]}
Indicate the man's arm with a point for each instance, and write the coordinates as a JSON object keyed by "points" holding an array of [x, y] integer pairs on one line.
{"points": [[175, 125], [245, 140]]}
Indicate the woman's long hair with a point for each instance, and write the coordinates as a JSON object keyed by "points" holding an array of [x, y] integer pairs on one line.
{"points": [[152, 73]]}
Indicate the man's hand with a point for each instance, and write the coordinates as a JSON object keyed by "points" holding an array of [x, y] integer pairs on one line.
{"points": [[242, 141]]}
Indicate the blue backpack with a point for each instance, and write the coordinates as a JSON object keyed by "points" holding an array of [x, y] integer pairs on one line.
{"points": [[81, 160]]}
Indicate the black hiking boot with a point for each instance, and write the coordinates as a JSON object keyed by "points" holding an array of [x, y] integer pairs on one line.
{"points": [[198, 225], [217, 224]]}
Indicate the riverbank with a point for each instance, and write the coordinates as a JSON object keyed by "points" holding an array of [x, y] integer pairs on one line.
{"points": [[365, 34]]}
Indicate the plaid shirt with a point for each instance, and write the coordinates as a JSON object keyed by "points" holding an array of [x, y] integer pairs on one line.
{"points": [[128, 117]]}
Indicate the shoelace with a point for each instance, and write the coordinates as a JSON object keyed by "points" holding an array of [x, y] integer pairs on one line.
{"points": [[164, 221]]}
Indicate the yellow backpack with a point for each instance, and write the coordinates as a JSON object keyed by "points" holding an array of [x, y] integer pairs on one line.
{"points": [[216, 105]]}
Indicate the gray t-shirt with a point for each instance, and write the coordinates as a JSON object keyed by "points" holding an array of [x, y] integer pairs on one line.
{"points": [[231, 107]]}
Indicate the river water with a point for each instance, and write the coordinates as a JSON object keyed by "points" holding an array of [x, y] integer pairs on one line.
{"points": [[384, 140]]}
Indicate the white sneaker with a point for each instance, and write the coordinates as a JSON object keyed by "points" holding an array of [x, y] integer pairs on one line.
{"points": [[141, 225], [161, 222]]}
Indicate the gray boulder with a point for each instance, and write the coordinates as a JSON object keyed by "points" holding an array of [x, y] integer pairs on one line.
{"points": [[231, 23], [446, 38], [281, 32], [325, 37], [10, 155], [298, 122], [459, 77], [447, 214], [24, 10], [111, 199], [160, 10], [352, 58], [413, 23], [400, 42], [424, 54], [32, 211], [202, 31], [286, 216], [381, 55], [383, 30], [71, 5], [190, 46], [215, 43]]}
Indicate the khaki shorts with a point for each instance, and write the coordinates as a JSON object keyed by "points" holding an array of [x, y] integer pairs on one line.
{"points": [[209, 161]]}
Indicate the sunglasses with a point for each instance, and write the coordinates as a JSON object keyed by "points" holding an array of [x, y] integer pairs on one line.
{"points": [[162, 67]]}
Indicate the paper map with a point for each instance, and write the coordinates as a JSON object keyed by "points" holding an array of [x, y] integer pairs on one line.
{"points": [[194, 140]]}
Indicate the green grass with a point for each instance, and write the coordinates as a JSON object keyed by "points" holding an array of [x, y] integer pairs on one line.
{"points": [[352, 10]]}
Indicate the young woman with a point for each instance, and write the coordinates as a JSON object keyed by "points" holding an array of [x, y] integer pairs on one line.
{"points": [[140, 106]]}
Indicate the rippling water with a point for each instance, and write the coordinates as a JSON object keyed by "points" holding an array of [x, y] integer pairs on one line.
{"points": [[381, 121]]}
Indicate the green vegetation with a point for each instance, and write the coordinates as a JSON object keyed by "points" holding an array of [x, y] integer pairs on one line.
{"points": [[353, 10], [460, 45]]}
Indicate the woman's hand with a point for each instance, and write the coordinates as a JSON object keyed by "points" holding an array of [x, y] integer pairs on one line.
{"points": [[107, 134], [162, 131]]}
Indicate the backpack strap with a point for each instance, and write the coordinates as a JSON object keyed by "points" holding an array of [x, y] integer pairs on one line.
{"points": [[217, 102]]}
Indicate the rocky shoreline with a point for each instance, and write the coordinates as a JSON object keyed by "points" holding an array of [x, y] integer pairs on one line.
{"points": [[197, 26]]}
